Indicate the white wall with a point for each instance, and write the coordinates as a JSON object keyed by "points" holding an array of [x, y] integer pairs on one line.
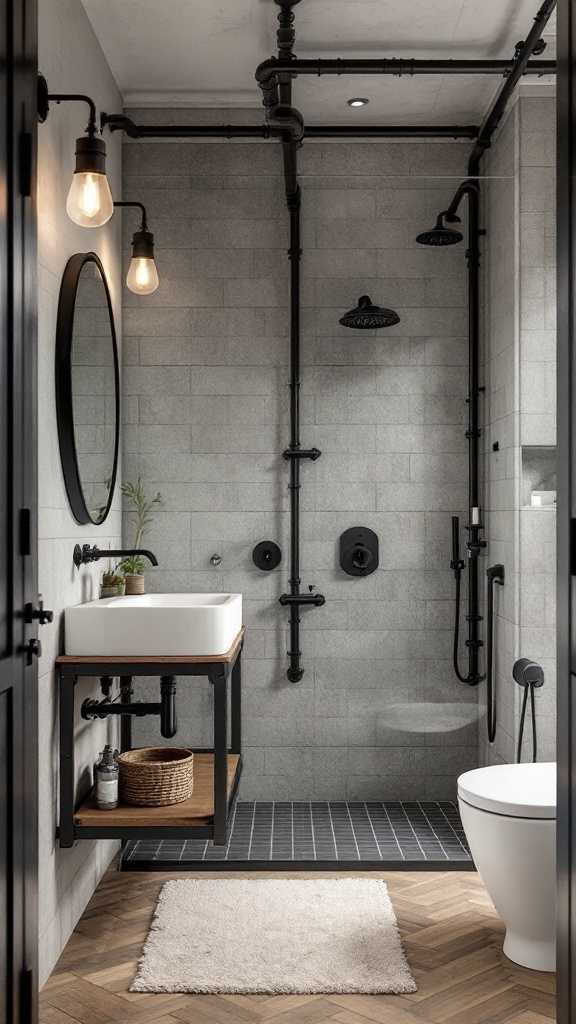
{"points": [[72, 61]]}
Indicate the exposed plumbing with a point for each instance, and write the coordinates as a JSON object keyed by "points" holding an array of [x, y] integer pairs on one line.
{"points": [[283, 122], [165, 708], [530, 675]]}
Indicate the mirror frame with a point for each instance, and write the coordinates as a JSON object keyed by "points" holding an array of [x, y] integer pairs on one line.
{"points": [[64, 400]]}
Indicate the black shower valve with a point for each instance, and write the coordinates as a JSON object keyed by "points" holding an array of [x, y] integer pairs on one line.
{"points": [[359, 551], [475, 547]]}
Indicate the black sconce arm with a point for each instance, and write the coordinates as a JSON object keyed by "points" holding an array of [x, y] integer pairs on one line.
{"points": [[138, 206], [43, 97]]}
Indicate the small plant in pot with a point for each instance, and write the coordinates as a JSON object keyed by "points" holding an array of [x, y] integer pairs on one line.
{"points": [[112, 584], [133, 566]]}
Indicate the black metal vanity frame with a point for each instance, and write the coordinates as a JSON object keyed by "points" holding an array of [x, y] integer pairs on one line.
{"points": [[220, 671]]}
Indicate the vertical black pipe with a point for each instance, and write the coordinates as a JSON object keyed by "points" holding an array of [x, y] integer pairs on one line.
{"points": [[471, 190], [285, 37], [295, 672], [473, 433]]}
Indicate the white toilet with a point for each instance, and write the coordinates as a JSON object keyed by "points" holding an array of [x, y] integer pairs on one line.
{"points": [[509, 816]]}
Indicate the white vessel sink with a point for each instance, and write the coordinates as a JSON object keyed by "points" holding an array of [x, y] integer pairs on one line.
{"points": [[154, 624]]}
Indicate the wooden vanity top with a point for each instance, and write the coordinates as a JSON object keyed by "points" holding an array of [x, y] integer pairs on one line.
{"points": [[200, 659]]}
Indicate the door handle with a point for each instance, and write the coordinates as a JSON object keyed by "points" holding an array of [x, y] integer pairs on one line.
{"points": [[41, 613], [33, 649]]}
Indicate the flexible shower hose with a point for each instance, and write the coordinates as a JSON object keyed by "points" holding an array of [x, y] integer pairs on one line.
{"points": [[522, 721], [471, 680]]}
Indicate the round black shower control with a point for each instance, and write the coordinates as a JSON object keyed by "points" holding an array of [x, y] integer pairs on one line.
{"points": [[266, 555], [359, 551], [361, 557]]}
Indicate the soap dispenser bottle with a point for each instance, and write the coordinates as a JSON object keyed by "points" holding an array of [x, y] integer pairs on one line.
{"points": [[106, 774]]}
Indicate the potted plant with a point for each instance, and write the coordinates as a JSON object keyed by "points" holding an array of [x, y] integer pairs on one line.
{"points": [[133, 566], [112, 585]]}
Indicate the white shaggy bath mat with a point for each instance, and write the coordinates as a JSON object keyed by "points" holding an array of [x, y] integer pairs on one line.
{"points": [[274, 936]]}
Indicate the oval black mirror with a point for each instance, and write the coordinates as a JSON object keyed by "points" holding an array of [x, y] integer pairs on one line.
{"points": [[87, 388]]}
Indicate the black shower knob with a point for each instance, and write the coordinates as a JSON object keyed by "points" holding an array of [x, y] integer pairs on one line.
{"points": [[266, 555], [361, 557]]}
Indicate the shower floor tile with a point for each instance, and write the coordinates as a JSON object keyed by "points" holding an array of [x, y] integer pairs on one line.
{"points": [[268, 835]]}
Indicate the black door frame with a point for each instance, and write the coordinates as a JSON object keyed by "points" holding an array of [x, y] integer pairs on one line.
{"points": [[18, 499], [18, 316], [566, 514]]}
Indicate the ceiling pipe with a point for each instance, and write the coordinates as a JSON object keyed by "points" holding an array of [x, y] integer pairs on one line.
{"points": [[522, 62], [395, 131], [119, 122], [268, 73]]}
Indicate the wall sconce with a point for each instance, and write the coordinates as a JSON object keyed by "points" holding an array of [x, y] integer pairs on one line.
{"points": [[142, 276], [89, 201]]}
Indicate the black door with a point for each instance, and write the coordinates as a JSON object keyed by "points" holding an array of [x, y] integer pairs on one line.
{"points": [[18, 514], [566, 515]]}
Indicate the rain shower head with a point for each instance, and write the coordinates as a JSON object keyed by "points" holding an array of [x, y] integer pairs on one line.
{"points": [[440, 234], [367, 317]]}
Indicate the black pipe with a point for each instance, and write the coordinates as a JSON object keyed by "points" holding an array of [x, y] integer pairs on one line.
{"points": [[522, 64], [295, 671], [495, 574], [118, 122], [168, 719], [294, 453], [471, 190], [165, 708], [394, 131], [269, 72]]}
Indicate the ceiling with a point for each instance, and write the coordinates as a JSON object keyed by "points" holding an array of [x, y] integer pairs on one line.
{"points": [[203, 53]]}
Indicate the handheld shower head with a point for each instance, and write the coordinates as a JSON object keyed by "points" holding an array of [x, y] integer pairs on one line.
{"points": [[440, 234], [368, 317]]}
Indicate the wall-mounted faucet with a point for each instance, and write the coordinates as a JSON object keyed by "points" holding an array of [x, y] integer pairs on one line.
{"points": [[85, 554]]}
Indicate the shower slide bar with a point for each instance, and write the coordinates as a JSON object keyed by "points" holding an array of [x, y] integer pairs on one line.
{"points": [[495, 574]]}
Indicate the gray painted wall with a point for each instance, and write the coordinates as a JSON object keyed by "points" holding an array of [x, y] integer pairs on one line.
{"points": [[72, 61], [206, 403], [520, 354]]}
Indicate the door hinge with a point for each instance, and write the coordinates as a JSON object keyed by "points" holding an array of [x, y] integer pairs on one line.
{"points": [[573, 547], [25, 163], [25, 539]]}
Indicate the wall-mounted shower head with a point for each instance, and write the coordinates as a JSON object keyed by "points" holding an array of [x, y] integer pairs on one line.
{"points": [[367, 317], [440, 234]]}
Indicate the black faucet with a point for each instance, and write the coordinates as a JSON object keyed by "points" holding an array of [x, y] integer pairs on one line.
{"points": [[85, 554]]}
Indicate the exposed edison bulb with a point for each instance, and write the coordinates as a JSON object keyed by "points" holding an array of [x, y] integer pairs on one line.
{"points": [[142, 276], [89, 200]]}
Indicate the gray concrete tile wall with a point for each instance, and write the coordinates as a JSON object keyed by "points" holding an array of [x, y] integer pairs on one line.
{"points": [[206, 405], [520, 343]]}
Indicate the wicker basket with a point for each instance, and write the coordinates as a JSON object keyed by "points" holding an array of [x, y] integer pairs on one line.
{"points": [[156, 776], [135, 583]]}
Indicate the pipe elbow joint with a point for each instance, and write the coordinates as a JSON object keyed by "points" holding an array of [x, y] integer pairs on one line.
{"points": [[288, 118], [119, 122], [265, 73]]}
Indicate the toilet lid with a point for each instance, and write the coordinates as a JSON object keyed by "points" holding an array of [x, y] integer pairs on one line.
{"points": [[517, 790]]}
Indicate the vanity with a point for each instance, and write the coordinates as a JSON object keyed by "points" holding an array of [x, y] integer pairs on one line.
{"points": [[160, 626], [181, 639]]}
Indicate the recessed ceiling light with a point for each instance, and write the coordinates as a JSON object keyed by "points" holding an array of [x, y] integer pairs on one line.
{"points": [[357, 101]]}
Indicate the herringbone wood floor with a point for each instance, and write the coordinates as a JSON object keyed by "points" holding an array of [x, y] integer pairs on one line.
{"points": [[451, 935]]}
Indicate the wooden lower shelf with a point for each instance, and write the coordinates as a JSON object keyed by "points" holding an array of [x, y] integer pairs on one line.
{"points": [[198, 810]]}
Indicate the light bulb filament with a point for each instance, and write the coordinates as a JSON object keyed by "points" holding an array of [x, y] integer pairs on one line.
{"points": [[90, 196]]}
